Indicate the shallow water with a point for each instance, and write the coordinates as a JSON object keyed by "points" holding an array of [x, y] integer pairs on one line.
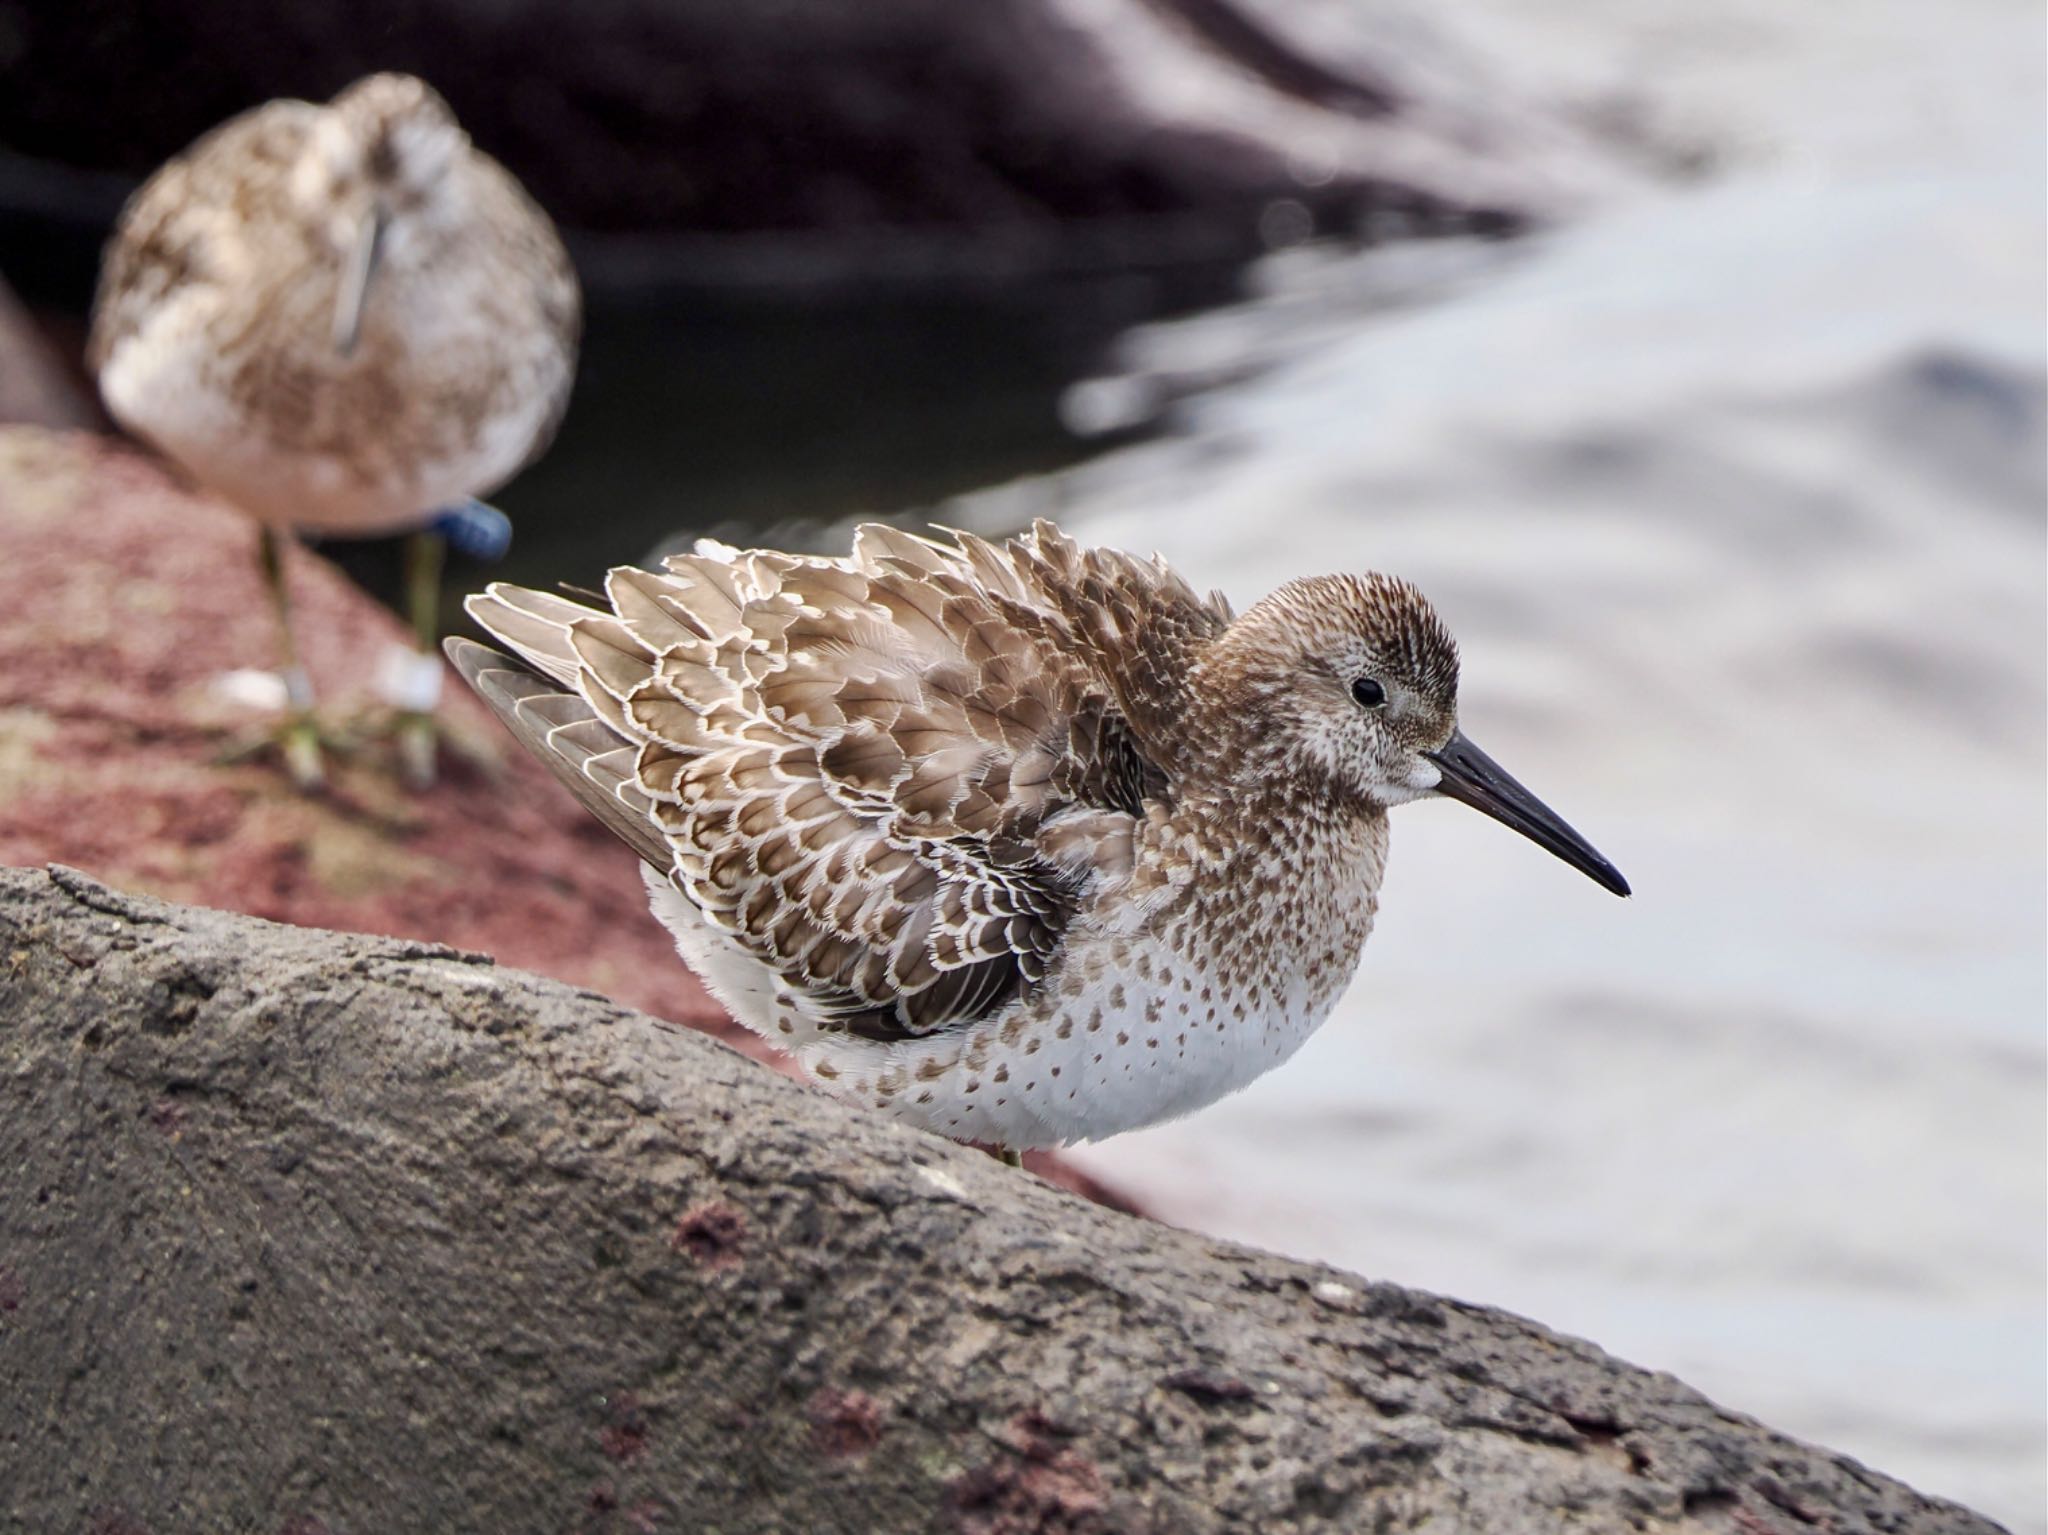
{"points": [[1734, 498]]}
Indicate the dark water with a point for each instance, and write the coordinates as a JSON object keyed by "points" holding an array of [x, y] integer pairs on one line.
{"points": [[730, 413], [755, 410], [767, 417]]}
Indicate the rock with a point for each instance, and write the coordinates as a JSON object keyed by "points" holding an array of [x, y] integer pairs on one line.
{"points": [[813, 115], [33, 385], [311, 1231]]}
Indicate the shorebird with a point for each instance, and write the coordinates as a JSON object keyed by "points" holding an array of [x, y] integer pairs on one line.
{"points": [[1026, 843], [345, 320]]}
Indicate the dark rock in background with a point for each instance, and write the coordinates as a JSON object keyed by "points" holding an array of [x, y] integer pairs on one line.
{"points": [[817, 115], [35, 388]]}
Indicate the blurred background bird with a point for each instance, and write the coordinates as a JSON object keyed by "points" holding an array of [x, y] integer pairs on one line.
{"points": [[345, 320]]}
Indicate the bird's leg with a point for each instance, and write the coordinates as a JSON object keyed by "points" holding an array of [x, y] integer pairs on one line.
{"points": [[425, 552], [1010, 1157], [410, 679], [299, 737]]}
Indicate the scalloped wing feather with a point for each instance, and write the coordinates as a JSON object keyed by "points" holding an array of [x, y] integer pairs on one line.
{"points": [[872, 774]]}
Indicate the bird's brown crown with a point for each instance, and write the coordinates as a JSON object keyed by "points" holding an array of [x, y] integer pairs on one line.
{"points": [[403, 136]]}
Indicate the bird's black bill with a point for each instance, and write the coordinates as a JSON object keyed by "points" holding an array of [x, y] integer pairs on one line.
{"points": [[1476, 779], [354, 292]]}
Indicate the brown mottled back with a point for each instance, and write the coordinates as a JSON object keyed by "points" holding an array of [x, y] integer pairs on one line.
{"points": [[851, 765]]}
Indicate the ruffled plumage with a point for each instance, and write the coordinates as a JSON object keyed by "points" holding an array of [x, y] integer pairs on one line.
{"points": [[889, 779]]}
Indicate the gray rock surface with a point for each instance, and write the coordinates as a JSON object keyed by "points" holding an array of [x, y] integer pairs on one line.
{"points": [[308, 1232]]}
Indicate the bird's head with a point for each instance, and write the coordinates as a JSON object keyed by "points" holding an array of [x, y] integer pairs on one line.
{"points": [[1353, 681], [388, 137], [376, 176]]}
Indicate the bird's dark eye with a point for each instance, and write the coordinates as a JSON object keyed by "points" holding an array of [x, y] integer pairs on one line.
{"points": [[1370, 694]]}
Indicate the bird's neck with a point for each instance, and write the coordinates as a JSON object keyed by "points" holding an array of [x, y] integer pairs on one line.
{"points": [[1283, 897], [1302, 823]]}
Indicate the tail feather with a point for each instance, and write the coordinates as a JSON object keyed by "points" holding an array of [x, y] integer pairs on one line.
{"points": [[571, 740], [535, 624]]}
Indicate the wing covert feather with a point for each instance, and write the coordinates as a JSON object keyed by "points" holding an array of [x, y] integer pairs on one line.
{"points": [[858, 769]]}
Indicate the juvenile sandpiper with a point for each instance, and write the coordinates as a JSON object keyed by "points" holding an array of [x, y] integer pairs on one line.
{"points": [[1026, 843], [344, 320]]}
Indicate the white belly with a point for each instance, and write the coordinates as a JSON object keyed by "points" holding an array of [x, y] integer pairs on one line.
{"points": [[1127, 1035], [1120, 1053]]}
